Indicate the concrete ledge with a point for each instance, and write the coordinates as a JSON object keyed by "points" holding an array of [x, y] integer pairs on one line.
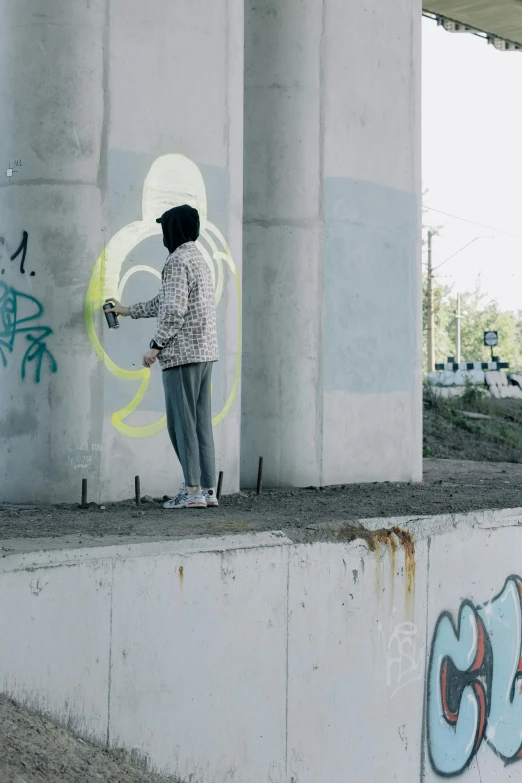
{"points": [[269, 656]]}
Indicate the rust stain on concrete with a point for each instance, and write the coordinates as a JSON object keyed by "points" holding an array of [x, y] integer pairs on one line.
{"points": [[408, 544], [393, 540]]}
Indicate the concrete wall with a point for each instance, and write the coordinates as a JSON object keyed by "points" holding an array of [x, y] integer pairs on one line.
{"points": [[252, 658], [473, 696], [132, 107], [126, 109], [332, 363]]}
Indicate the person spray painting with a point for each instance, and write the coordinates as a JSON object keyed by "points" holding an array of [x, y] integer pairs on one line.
{"points": [[185, 344]]}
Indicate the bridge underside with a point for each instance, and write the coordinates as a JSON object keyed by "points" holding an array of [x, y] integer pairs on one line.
{"points": [[501, 18]]}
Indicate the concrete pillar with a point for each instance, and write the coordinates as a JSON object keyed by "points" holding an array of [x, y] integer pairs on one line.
{"points": [[332, 362], [112, 111]]}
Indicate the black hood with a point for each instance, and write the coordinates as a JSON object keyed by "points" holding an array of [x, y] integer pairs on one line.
{"points": [[180, 225]]}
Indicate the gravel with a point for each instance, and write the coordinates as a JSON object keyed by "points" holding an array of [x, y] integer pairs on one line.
{"points": [[449, 486]]}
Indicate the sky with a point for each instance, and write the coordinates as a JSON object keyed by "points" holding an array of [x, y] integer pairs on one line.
{"points": [[472, 162]]}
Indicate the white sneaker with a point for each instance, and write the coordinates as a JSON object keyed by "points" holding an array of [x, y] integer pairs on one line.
{"points": [[185, 500], [210, 497]]}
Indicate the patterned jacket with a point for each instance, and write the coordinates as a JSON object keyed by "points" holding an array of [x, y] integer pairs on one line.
{"points": [[186, 310]]}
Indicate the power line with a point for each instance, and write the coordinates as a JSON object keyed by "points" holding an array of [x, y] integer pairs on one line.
{"points": [[472, 222], [460, 251]]}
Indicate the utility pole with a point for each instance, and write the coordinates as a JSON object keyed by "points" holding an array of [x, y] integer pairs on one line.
{"points": [[459, 317], [431, 309], [431, 303]]}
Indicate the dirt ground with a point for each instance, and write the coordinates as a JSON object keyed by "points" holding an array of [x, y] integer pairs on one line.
{"points": [[449, 486], [34, 750]]}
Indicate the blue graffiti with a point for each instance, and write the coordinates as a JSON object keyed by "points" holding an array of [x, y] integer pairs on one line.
{"points": [[475, 683], [17, 310]]}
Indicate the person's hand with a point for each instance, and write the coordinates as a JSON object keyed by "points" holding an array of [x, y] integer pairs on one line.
{"points": [[118, 308], [150, 357]]}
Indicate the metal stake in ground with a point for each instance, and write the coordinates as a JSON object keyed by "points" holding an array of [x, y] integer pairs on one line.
{"points": [[220, 485], [84, 492], [137, 491], [260, 476]]}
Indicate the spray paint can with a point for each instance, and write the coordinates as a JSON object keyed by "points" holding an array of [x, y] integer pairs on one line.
{"points": [[112, 318]]}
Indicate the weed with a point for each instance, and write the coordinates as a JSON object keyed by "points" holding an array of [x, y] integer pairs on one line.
{"points": [[473, 396], [460, 421], [432, 398]]}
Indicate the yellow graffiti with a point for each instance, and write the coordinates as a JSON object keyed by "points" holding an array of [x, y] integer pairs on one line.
{"points": [[172, 180]]}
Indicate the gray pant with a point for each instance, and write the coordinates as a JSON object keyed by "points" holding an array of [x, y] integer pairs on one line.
{"points": [[189, 421]]}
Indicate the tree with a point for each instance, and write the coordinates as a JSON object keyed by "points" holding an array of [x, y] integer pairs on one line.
{"points": [[444, 345], [440, 293], [479, 316]]}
